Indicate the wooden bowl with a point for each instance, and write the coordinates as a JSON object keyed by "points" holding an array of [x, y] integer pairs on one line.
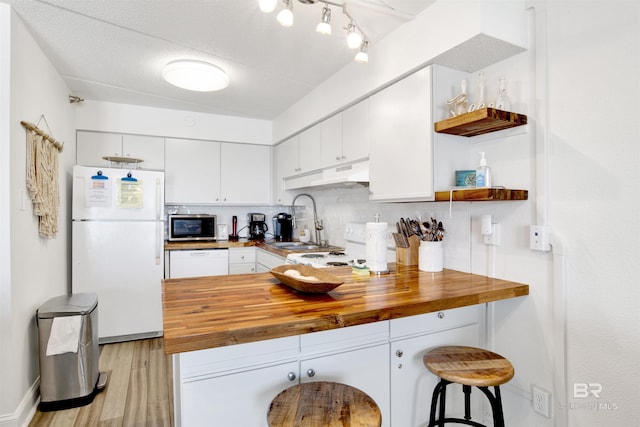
{"points": [[307, 279]]}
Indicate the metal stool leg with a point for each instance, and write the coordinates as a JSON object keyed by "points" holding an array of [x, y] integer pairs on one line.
{"points": [[496, 405], [467, 401], [439, 394]]}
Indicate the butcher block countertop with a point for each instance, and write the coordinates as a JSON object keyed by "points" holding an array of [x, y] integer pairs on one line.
{"points": [[216, 311]]}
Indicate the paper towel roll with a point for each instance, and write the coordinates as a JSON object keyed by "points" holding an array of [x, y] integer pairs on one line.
{"points": [[376, 242]]}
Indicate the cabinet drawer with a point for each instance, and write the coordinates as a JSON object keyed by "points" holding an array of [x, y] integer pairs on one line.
{"points": [[233, 357], [352, 336], [242, 255], [243, 268], [436, 321]]}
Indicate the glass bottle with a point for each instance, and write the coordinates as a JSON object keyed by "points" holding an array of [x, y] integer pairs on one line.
{"points": [[502, 101]]}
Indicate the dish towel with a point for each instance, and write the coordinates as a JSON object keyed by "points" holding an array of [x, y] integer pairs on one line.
{"points": [[65, 335]]}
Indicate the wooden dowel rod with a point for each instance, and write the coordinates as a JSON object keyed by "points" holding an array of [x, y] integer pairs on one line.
{"points": [[46, 136]]}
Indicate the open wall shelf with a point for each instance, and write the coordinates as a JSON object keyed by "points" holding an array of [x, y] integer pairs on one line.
{"points": [[479, 122], [480, 194]]}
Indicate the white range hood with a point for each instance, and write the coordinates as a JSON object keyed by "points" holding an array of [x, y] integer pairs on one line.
{"points": [[352, 174]]}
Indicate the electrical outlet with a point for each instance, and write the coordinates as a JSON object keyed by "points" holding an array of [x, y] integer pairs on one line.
{"points": [[541, 401], [539, 238]]}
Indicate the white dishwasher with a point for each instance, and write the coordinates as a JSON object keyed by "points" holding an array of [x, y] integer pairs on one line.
{"points": [[200, 262]]}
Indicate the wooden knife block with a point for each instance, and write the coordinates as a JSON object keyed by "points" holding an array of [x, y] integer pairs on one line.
{"points": [[408, 257]]}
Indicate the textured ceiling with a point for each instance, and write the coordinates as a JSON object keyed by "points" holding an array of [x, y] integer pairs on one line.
{"points": [[114, 50]]}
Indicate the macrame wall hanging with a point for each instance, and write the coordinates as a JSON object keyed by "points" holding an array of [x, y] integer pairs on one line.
{"points": [[42, 177]]}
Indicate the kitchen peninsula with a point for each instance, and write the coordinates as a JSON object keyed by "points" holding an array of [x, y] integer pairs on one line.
{"points": [[238, 340]]}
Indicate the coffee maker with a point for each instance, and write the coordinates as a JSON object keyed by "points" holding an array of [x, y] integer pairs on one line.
{"points": [[257, 226], [283, 227]]}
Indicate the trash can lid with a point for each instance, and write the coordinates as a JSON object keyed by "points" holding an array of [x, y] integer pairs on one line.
{"points": [[68, 305]]}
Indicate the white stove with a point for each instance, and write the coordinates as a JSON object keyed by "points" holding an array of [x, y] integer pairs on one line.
{"points": [[355, 250]]}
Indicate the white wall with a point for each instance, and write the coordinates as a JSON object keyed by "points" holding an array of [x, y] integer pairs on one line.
{"points": [[594, 134], [39, 268]]}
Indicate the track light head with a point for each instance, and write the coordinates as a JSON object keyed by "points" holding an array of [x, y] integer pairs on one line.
{"points": [[354, 39], [324, 27], [362, 57], [285, 16]]}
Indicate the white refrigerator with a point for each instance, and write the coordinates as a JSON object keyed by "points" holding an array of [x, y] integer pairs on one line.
{"points": [[117, 248]]}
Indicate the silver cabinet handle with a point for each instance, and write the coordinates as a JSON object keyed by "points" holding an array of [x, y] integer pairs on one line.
{"points": [[291, 376], [399, 353], [311, 373], [440, 315]]}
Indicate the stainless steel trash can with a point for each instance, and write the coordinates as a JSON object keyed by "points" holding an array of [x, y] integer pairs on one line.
{"points": [[68, 339]]}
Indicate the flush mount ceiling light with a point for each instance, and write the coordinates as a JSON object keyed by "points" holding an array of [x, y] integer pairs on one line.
{"points": [[195, 75], [355, 36]]}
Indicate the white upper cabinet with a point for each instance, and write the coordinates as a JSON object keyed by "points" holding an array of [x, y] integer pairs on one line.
{"points": [[345, 136], [332, 141], [309, 149], [192, 171], [245, 171], [211, 172], [91, 147], [355, 132], [401, 149], [287, 158]]}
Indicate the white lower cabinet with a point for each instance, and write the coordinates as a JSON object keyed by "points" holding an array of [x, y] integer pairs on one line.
{"points": [[233, 385], [363, 368], [236, 399], [265, 261], [242, 260], [412, 383]]}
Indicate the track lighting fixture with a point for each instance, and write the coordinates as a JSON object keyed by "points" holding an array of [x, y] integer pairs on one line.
{"points": [[285, 16], [356, 38], [362, 57], [324, 27]]}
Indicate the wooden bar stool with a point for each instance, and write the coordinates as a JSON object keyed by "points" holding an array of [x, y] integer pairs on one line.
{"points": [[323, 403], [470, 367]]}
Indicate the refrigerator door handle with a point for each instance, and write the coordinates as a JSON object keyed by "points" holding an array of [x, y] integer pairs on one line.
{"points": [[159, 206], [159, 229]]}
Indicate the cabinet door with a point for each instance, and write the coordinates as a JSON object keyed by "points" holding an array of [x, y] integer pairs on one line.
{"points": [[192, 171], [245, 174], [92, 146], [287, 158], [401, 152], [412, 383], [148, 148], [236, 399], [309, 149], [355, 132], [332, 141], [366, 369]]}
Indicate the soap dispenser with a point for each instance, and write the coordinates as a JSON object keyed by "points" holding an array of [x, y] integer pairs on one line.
{"points": [[483, 173]]}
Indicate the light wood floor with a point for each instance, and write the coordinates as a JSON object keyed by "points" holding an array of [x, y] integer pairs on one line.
{"points": [[138, 393]]}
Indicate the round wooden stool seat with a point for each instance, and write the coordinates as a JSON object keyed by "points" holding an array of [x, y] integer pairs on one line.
{"points": [[323, 403], [469, 366]]}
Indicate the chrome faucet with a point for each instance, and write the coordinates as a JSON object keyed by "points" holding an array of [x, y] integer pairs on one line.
{"points": [[316, 223]]}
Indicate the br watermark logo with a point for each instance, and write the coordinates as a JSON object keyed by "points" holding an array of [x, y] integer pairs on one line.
{"points": [[593, 391]]}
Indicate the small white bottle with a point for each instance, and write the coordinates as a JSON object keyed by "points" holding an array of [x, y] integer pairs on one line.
{"points": [[483, 173]]}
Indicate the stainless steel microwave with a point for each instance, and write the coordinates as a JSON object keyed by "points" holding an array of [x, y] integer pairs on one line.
{"points": [[192, 227]]}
